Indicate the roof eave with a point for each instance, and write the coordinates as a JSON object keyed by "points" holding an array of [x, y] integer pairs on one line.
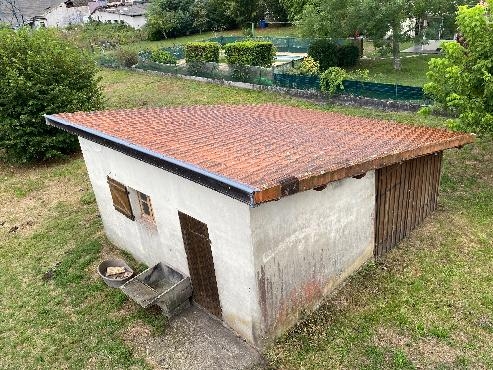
{"points": [[221, 184], [295, 185]]}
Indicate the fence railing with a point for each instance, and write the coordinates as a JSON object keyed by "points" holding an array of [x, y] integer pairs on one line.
{"points": [[254, 75], [275, 77], [285, 44]]}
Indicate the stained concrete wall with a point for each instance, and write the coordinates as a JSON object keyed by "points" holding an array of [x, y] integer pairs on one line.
{"points": [[305, 245], [228, 222]]}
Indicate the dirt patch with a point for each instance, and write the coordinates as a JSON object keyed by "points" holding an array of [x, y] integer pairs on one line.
{"points": [[423, 352], [139, 337]]}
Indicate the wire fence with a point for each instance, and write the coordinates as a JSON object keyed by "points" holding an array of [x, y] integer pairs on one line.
{"points": [[216, 71], [274, 77], [285, 44]]}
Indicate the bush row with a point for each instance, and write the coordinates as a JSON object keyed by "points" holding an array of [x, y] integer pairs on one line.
{"points": [[202, 52], [250, 53], [329, 54]]}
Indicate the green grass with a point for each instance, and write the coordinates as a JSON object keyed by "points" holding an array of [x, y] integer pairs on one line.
{"points": [[412, 73], [428, 303], [54, 311]]}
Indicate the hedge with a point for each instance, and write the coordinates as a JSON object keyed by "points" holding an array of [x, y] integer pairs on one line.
{"points": [[162, 56], [347, 55], [329, 54], [202, 52], [250, 53]]}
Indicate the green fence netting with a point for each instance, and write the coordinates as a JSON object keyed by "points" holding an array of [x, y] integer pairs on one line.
{"points": [[282, 44], [383, 91], [357, 88]]}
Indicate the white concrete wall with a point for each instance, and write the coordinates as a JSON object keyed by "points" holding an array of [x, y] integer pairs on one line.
{"points": [[228, 222], [136, 22], [61, 16], [306, 244]]}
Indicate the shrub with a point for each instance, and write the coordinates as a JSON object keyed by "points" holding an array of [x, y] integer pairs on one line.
{"points": [[250, 53], [41, 73], [309, 66], [331, 80], [163, 57], [126, 58], [104, 36], [324, 52], [201, 52], [347, 55]]}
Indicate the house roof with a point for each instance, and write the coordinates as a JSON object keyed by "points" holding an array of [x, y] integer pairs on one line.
{"points": [[131, 10], [257, 153], [28, 9]]}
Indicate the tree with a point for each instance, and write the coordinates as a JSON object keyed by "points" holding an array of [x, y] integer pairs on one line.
{"points": [[244, 11], [382, 20], [169, 18], [462, 81], [40, 73], [275, 9], [212, 15], [293, 8]]}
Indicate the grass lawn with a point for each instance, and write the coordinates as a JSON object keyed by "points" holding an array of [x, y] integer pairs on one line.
{"points": [[412, 73], [428, 303]]}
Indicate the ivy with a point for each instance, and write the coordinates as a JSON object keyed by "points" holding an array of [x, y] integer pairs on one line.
{"points": [[331, 80]]}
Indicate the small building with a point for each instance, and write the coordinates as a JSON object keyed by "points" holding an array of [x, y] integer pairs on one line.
{"points": [[44, 13], [266, 207], [66, 13], [132, 14]]}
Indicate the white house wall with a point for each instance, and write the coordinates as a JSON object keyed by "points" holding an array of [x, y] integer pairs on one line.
{"points": [[61, 16], [228, 222], [306, 244], [136, 22]]}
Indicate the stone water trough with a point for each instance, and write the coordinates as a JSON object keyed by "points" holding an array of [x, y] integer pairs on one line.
{"points": [[160, 285]]}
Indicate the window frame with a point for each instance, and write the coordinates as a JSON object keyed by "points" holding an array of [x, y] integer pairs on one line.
{"points": [[143, 198]]}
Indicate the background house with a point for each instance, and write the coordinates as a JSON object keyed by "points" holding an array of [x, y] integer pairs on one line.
{"points": [[44, 13], [67, 13], [132, 13], [267, 208]]}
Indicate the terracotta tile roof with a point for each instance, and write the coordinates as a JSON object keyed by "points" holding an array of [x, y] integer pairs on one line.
{"points": [[274, 150]]}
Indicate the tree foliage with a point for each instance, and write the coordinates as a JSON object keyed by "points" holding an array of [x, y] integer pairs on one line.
{"points": [[169, 18], [462, 81], [40, 73], [387, 22]]}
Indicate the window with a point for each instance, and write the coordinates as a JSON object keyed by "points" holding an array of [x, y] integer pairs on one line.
{"points": [[145, 206], [121, 201]]}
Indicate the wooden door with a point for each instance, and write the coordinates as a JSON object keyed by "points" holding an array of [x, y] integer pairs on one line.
{"points": [[200, 263], [406, 193]]}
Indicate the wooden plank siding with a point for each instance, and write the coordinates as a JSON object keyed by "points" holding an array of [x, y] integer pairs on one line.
{"points": [[406, 193]]}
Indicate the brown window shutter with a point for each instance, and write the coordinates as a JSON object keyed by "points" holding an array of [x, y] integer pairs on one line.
{"points": [[121, 201]]}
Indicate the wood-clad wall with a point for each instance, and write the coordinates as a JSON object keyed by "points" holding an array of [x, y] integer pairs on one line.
{"points": [[406, 193]]}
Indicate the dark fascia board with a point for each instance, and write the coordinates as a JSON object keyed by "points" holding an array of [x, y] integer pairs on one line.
{"points": [[193, 173]]}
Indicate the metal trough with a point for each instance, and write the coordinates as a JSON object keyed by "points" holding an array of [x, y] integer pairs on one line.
{"points": [[162, 286]]}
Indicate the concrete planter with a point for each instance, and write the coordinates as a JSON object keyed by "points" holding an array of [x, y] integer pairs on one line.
{"points": [[160, 285], [111, 281]]}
